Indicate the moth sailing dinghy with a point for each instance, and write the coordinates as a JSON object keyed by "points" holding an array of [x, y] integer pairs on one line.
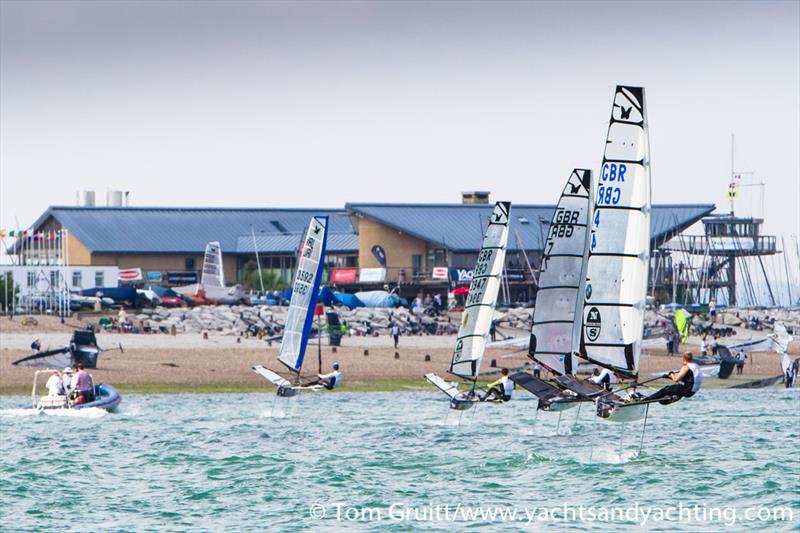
{"points": [[478, 312], [619, 254], [305, 291], [555, 335]]}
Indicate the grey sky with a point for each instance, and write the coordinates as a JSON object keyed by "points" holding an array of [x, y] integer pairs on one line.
{"points": [[316, 104]]}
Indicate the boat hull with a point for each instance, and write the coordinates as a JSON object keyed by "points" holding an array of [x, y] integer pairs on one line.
{"points": [[106, 397], [463, 401], [618, 412]]}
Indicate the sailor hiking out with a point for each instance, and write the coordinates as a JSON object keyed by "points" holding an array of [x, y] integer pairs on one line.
{"points": [[687, 382], [331, 380], [502, 389]]}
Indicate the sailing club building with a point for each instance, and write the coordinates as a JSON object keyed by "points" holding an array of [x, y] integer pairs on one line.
{"points": [[419, 248]]}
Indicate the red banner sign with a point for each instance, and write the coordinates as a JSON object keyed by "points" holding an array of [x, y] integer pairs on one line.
{"points": [[344, 275], [130, 274]]}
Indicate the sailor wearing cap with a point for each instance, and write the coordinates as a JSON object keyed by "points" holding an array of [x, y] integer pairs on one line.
{"points": [[332, 380], [66, 380]]}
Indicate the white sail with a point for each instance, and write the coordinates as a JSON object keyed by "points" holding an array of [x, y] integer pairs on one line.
{"points": [[619, 251], [304, 294], [555, 335], [213, 274], [482, 297]]}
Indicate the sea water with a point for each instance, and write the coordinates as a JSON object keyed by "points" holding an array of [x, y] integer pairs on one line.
{"points": [[398, 462]]}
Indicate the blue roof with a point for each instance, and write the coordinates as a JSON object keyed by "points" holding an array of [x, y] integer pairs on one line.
{"points": [[290, 243], [459, 227], [188, 229]]}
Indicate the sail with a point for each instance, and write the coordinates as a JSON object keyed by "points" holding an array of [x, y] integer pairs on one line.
{"points": [[482, 297], [304, 294], [555, 335], [619, 250], [213, 274]]}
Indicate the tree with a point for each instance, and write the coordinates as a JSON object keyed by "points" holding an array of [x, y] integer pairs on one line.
{"points": [[8, 290], [271, 278]]}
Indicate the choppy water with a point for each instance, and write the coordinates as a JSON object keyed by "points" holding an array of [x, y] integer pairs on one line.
{"points": [[202, 462]]}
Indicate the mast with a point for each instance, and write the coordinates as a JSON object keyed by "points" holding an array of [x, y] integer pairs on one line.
{"points": [[556, 326], [619, 252], [482, 297]]}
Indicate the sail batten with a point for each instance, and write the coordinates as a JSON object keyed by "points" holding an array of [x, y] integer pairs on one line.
{"points": [[556, 317], [305, 291], [482, 297], [619, 251]]}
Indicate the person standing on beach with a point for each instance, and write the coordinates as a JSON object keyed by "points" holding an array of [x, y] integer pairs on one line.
{"points": [[742, 357], [395, 334], [493, 330], [712, 310]]}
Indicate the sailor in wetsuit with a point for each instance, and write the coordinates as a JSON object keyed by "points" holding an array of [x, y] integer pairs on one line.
{"points": [[502, 389], [332, 380], [687, 382], [605, 379]]}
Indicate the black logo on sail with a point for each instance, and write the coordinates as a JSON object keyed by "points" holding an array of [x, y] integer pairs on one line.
{"points": [[592, 324]]}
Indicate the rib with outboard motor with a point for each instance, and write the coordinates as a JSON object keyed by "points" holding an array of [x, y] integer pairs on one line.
{"points": [[305, 291], [478, 310]]}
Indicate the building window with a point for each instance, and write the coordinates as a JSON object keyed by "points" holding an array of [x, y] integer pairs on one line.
{"points": [[99, 279], [31, 279], [76, 280], [54, 279], [416, 264], [189, 264]]}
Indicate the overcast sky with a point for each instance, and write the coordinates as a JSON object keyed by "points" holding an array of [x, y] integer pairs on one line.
{"points": [[267, 104]]}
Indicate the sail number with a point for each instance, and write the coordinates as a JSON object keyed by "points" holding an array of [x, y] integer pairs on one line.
{"points": [[607, 194], [302, 282], [476, 289], [484, 262], [309, 248], [304, 276], [563, 224]]}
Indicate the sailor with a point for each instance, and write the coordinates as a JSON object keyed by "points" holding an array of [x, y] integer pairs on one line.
{"points": [[605, 379], [687, 382], [36, 345], [55, 387], [703, 346], [66, 380], [332, 380], [82, 386], [502, 389]]}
